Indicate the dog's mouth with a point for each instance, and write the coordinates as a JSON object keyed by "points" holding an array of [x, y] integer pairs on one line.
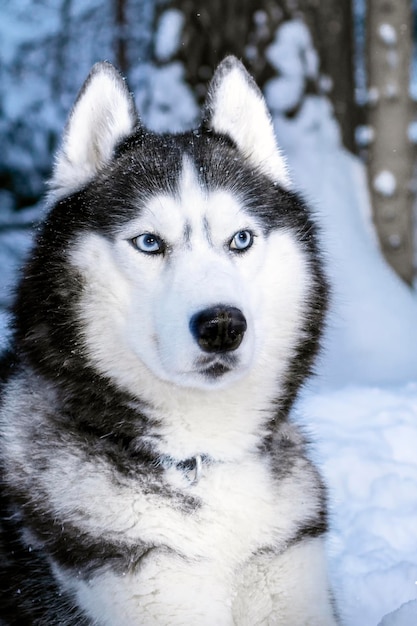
{"points": [[216, 367], [217, 370]]}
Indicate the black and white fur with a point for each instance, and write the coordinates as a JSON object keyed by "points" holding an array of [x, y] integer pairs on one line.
{"points": [[170, 311]]}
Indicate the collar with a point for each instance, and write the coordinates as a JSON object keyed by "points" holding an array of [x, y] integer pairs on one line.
{"points": [[192, 467]]}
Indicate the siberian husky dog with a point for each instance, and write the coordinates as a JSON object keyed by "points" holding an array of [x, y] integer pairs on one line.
{"points": [[170, 311]]}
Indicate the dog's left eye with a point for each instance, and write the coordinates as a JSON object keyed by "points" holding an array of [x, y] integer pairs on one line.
{"points": [[241, 241], [149, 243]]}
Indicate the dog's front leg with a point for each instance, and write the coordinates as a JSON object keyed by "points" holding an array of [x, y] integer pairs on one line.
{"points": [[287, 590], [164, 590]]}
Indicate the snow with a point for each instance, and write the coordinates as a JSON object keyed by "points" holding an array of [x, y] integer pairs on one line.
{"points": [[404, 616], [293, 56], [412, 132], [171, 104], [372, 331], [364, 135], [260, 18], [19, 26], [387, 34], [385, 183], [373, 95], [361, 409], [167, 36], [367, 441]]}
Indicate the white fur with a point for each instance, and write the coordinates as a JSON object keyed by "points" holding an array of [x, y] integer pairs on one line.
{"points": [[285, 590], [102, 116], [267, 591], [239, 110]]}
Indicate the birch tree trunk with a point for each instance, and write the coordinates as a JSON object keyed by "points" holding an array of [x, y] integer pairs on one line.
{"points": [[389, 41]]}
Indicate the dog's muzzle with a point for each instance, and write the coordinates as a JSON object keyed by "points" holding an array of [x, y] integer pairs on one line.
{"points": [[219, 328]]}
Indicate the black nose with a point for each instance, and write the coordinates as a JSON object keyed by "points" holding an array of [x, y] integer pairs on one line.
{"points": [[218, 329]]}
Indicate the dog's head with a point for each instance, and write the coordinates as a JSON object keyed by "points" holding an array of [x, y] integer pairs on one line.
{"points": [[182, 258]]}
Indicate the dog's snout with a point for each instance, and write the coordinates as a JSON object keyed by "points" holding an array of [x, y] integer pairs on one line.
{"points": [[219, 328]]}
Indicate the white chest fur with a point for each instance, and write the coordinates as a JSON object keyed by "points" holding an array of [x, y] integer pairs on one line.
{"points": [[191, 572]]}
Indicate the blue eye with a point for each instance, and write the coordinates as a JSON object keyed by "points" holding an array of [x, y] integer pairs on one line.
{"points": [[241, 241], [149, 243]]}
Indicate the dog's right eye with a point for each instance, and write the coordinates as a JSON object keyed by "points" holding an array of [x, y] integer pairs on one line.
{"points": [[149, 243]]}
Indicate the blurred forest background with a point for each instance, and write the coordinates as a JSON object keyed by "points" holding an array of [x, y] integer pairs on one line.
{"points": [[357, 55]]}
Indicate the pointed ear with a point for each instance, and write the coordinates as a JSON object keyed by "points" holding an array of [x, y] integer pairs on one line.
{"points": [[236, 107], [103, 114]]}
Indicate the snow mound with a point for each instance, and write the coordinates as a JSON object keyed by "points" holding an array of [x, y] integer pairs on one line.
{"points": [[366, 443], [406, 615], [372, 334]]}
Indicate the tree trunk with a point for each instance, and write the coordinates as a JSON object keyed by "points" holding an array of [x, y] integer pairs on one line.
{"points": [[331, 25], [246, 27], [217, 28], [120, 35], [389, 40], [61, 49]]}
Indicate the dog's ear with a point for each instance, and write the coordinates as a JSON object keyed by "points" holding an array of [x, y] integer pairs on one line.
{"points": [[236, 107], [103, 114]]}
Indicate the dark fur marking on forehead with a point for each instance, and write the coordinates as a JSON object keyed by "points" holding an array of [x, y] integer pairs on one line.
{"points": [[187, 233], [207, 230], [147, 164]]}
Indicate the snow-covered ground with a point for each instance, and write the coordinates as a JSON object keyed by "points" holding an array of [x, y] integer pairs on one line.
{"points": [[366, 443], [362, 408]]}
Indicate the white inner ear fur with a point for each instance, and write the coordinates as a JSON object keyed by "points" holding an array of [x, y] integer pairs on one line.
{"points": [[103, 115], [238, 109]]}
